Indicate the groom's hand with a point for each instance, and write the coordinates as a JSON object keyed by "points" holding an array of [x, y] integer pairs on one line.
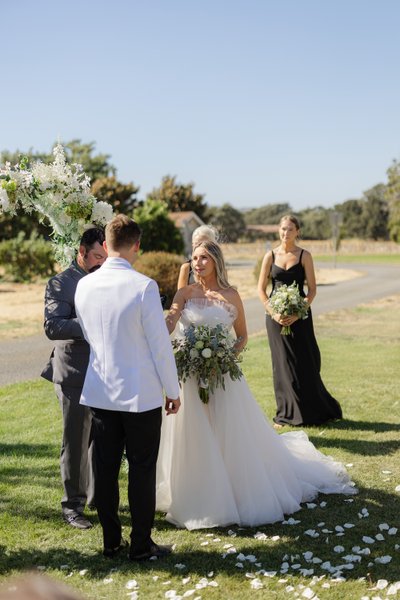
{"points": [[172, 406]]}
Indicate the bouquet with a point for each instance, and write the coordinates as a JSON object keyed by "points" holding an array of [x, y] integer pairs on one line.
{"points": [[206, 353], [287, 301], [60, 193]]}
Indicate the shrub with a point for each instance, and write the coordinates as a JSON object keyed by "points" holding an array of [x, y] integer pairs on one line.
{"points": [[24, 260], [159, 233], [163, 267]]}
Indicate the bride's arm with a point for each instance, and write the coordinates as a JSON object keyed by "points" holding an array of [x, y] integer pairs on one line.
{"points": [[175, 311], [239, 325]]}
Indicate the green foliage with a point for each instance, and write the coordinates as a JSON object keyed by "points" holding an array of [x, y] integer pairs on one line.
{"points": [[95, 166], [158, 231], [163, 267], [353, 224], [179, 197], [121, 196], [375, 213], [315, 224], [25, 260], [270, 214], [229, 222], [392, 195]]}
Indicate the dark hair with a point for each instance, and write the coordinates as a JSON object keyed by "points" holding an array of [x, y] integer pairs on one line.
{"points": [[122, 232], [91, 236]]}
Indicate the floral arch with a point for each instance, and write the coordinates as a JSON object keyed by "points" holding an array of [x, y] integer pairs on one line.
{"points": [[60, 193]]}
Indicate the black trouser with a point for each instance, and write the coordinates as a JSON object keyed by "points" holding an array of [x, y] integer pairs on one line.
{"points": [[139, 434]]}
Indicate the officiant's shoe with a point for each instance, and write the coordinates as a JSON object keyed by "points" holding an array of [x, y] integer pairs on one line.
{"points": [[113, 552], [77, 520], [155, 551]]}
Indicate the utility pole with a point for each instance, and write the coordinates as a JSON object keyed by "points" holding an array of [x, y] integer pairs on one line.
{"points": [[336, 221]]}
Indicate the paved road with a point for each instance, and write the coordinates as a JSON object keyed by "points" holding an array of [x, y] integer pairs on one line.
{"points": [[23, 359]]}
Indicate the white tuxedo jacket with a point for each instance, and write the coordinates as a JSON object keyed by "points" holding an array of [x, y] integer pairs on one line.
{"points": [[131, 358]]}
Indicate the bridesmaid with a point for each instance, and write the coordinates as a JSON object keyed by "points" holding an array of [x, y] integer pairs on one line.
{"points": [[301, 397]]}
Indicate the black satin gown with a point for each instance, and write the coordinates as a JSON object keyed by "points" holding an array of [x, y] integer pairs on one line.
{"points": [[301, 397]]}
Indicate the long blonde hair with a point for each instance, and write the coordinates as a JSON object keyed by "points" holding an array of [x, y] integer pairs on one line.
{"points": [[214, 250]]}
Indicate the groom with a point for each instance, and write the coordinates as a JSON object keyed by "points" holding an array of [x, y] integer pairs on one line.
{"points": [[131, 362]]}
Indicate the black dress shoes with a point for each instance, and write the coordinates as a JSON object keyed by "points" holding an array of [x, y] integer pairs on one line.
{"points": [[113, 552], [77, 520], [155, 551]]}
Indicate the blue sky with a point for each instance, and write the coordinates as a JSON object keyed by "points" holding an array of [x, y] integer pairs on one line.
{"points": [[254, 101]]}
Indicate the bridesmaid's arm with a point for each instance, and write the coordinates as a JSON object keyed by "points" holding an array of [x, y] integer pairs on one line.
{"points": [[183, 275], [310, 277], [263, 279], [176, 308], [239, 325]]}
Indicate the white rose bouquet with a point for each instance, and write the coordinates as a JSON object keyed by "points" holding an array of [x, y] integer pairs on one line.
{"points": [[60, 193], [208, 354], [286, 300]]}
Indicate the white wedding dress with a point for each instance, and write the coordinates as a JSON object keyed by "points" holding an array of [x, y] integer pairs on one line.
{"points": [[222, 463]]}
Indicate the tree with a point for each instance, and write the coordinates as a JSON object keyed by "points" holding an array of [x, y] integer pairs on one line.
{"points": [[393, 197], [179, 197], [353, 223], [270, 214], [121, 196], [375, 213], [229, 222], [315, 223], [95, 166], [158, 231]]}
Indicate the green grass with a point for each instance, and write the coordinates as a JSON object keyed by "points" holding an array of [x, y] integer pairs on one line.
{"points": [[368, 259], [360, 357]]}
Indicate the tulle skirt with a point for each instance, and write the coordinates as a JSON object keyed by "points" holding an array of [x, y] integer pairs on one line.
{"points": [[222, 463]]}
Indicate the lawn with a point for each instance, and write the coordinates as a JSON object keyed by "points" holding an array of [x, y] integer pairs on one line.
{"points": [[299, 558]]}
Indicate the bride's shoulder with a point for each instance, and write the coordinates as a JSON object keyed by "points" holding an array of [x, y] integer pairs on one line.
{"points": [[232, 296]]}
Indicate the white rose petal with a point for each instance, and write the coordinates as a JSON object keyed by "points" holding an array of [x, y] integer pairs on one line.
{"points": [[368, 540], [392, 531], [312, 533], [397, 488], [256, 584], [338, 549], [383, 560], [311, 505], [379, 537], [308, 593], [381, 584], [131, 584], [393, 589]]}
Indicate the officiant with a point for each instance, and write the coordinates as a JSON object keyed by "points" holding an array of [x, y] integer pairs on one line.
{"points": [[66, 369]]}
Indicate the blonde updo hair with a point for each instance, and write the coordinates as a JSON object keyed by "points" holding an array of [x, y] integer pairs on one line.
{"points": [[214, 250], [204, 233]]}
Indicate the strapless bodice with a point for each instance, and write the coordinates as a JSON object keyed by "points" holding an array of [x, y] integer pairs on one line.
{"points": [[205, 311]]}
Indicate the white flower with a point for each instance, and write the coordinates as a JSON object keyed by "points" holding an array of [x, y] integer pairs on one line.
{"points": [[102, 213], [206, 353], [193, 353], [4, 201]]}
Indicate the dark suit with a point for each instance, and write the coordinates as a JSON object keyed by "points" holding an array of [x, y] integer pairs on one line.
{"points": [[67, 369]]}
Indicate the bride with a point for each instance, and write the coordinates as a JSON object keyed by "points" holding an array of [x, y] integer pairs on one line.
{"points": [[222, 463]]}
